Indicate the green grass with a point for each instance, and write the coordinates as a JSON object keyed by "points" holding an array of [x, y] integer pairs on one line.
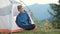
{"points": [[40, 32]]}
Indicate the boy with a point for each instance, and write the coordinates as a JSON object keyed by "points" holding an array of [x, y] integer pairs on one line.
{"points": [[23, 21]]}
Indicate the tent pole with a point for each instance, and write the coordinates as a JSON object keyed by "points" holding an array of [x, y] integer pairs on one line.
{"points": [[11, 15]]}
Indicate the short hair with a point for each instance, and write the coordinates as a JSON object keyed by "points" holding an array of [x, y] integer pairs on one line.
{"points": [[19, 7]]}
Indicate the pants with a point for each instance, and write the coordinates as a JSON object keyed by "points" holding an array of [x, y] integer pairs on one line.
{"points": [[28, 27]]}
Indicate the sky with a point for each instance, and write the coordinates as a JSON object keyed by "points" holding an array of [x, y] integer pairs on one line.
{"points": [[29, 2]]}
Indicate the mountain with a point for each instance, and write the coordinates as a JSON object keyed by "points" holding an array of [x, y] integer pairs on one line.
{"points": [[40, 11]]}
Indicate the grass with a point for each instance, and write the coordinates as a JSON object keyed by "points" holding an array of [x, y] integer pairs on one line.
{"points": [[52, 31], [40, 32]]}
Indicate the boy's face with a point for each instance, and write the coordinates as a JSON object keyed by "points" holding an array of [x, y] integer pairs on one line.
{"points": [[21, 10]]}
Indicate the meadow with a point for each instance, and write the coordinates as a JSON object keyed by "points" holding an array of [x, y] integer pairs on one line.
{"points": [[43, 28]]}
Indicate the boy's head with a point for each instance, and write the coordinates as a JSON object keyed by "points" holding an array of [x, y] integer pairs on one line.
{"points": [[20, 8]]}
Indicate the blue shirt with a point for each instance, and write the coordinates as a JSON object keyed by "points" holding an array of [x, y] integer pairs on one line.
{"points": [[22, 19]]}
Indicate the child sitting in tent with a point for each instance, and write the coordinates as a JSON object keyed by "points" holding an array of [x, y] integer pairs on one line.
{"points": [[23, 20]]}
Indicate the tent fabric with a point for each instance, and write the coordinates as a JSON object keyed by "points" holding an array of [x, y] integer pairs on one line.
{"points": [[8, 13]]}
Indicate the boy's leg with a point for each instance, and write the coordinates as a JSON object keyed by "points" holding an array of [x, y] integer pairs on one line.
{"points": [[30, 27], [36, 28], [33, 27]]}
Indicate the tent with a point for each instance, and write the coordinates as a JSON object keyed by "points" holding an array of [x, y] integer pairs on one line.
{"points": [[8, 13]]}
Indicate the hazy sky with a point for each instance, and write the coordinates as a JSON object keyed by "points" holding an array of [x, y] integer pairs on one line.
{"points": [[29, 2]]}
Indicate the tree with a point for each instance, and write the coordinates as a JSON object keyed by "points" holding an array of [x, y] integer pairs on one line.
{"points": [[55, 14]]}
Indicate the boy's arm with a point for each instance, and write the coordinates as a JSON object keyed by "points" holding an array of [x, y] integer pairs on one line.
{"points": [[32, 22]]}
